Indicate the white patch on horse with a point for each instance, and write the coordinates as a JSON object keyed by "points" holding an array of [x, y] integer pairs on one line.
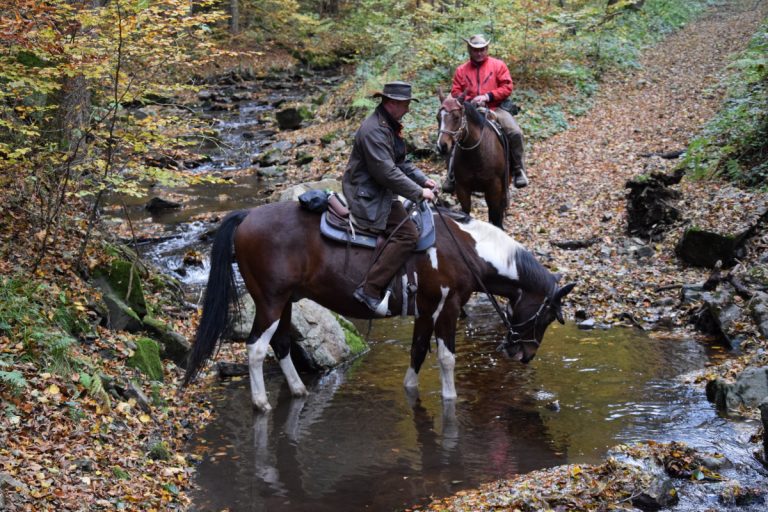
{"points": [[292, 376], [443, 113], [447, 361], [411, 378], [256, 353], [432, 253], [494, 246], [444, 292]]}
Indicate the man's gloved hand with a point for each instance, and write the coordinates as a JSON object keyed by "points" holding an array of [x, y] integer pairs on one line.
{"points": [[480, 100]]}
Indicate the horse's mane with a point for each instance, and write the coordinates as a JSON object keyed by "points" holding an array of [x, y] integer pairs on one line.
{"points": [[458, 216], [532, 273], [473, 115]]}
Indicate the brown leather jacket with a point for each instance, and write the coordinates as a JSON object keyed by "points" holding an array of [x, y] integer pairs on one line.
{"points": [[378, 172]]}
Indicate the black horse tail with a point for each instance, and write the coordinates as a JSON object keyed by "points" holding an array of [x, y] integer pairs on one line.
{"points": [[220, 292]]}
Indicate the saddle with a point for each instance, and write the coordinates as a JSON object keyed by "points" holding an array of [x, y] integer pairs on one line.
{"points": [[337, 224]]}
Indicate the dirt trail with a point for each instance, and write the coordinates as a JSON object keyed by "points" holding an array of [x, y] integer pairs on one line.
{"points": [[578, 176]]}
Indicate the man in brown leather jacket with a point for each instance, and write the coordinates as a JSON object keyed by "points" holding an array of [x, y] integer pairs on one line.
{"points": [[376, 174]]}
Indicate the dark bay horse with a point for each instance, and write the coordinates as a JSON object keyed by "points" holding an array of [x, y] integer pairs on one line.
{"points": [[476, 155], [283, 257]]}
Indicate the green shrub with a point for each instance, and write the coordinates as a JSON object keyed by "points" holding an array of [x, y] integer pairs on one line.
{"points": [[734, 144]]}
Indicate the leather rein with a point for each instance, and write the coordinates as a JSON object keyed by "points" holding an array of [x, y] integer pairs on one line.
{"points": [[513, 336]]}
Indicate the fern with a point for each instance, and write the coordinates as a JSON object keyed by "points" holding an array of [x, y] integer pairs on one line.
{"points": [[14, 381], [56, 350]]}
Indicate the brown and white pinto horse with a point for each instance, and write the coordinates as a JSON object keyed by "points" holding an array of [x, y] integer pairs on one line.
{"points": [[283, 257], [476, 155]]}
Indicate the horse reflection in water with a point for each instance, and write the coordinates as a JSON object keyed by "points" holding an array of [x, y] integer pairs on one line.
{"points": [[283, 258]]}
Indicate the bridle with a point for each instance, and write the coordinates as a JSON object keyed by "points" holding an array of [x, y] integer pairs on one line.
{"points": [[462, 133], [513, 336]]}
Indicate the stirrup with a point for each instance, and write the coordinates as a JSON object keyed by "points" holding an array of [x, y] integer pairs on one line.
{"points": [[520, 180]]}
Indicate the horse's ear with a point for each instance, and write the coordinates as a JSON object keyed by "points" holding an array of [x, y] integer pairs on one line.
{"points": [[440, 95], [562, 292], [460, 99]]}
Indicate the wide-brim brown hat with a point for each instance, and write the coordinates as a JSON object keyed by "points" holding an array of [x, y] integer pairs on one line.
{"points": [[477, 41], [400, 91]]}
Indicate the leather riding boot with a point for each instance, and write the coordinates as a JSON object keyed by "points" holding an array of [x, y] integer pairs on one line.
{"points": [[516, 160], [449, 184], [519, 179]]}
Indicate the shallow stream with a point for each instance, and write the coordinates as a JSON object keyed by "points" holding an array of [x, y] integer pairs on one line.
{"points": [[360, 442]]}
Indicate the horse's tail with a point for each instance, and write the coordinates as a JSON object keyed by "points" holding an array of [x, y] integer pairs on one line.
{"points": [[220, 292]]}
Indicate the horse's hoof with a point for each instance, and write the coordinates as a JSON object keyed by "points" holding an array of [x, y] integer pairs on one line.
{"points": [[300, 393], [262, 406]]}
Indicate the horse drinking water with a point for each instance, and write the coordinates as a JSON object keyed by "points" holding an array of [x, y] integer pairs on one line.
{"points": [[477, 156], [283, 257]]}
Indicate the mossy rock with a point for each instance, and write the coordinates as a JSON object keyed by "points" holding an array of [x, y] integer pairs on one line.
{"points": [[146, 359], [174, 346], [124, 279], [704, 248], [355, 341]]}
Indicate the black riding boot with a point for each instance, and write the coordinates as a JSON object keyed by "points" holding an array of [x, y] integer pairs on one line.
{"points": [[516, 157], [449, 183]]}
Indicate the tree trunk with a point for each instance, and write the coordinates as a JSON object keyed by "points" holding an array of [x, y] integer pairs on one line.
{"points": [[73, 111], [234, 20]]}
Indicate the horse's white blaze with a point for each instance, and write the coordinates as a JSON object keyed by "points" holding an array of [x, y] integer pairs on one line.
{"points": [[292, 376], [494, 246], [411, 378], [447, 361], [432, 253], [256, 353], [444, 294]]}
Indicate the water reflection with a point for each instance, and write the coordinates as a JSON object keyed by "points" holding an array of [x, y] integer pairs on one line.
{"points": [[359, 441]]}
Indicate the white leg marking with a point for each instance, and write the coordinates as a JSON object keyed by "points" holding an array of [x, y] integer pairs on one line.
{"points": [[444, 291], [411, 378], [447, 364], [432, 253], [292, 376], [256, 354]]}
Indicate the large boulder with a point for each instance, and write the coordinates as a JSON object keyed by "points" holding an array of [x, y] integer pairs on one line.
{"points": [[123, 294], [320, 340], [292, 193], [718, 315], [759, 311], [289, 118], [146, 358], [749, 390], [703, 248], [174, 346]]}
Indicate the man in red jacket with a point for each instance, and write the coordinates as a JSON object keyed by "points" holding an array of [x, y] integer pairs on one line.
{"points": [[485, 81]]}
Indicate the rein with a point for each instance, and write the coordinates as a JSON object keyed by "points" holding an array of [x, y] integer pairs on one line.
{"points": [[511, 332], [491, 297]]}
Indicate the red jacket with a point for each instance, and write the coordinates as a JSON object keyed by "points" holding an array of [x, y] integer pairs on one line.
{"points": [[491, 77]]}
